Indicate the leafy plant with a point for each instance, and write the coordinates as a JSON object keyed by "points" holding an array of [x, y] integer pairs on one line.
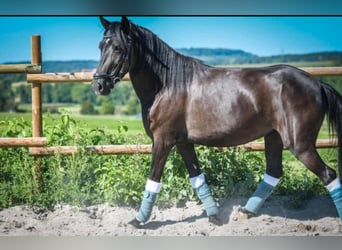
{"points": [[17, 181], [85, 178]]}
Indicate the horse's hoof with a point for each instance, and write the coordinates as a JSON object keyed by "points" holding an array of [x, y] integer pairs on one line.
{"points": [[244, 213], [135, 223], [215, 220]]}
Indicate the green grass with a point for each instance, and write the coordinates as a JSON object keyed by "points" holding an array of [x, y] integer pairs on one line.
{"points": [[89, 121], [109, 123]]}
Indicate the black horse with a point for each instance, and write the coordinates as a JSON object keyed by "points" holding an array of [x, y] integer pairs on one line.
{"points": [[185, 102]]}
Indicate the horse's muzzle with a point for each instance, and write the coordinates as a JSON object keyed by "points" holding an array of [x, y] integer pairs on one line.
{"points": [[103, 83], [102, 86]]}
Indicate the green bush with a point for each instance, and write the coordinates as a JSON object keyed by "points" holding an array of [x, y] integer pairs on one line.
{"points": [[87, 108], [107, 108], [85, 178], [17, 182]]}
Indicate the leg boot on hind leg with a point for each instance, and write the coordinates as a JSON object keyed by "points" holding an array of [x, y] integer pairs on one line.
{"points": [[263, 191], [335, 190], [203, 192]]}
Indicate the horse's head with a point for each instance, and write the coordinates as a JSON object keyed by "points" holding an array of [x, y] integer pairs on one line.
{"points": [[115, 49]]}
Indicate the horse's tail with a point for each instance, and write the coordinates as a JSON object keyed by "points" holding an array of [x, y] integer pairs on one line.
{"points": [[332, 105]]}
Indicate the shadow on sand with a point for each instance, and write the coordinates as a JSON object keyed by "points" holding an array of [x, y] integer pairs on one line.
{"points": [[276, 206]]}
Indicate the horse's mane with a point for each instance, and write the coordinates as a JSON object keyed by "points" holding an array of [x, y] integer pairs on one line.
{"points": [[173, 70]]}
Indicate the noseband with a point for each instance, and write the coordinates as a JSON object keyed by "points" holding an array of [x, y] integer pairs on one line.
{"points": [[118, 71]]}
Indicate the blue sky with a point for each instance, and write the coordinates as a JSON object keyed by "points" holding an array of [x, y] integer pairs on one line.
{"points": [[68, 38]]}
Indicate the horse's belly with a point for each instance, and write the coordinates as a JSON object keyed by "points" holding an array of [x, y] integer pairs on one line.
{"points": [[228, 131], [224, 139]]}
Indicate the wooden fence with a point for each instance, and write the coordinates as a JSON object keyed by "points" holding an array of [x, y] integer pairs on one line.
{"points": [[38, 143], [35, 67]]}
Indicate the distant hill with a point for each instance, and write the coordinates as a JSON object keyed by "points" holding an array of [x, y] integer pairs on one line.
{"points": [[310, 57], [228, 56], [219, 56], [214, 57], [64, 66], [69, 66]]}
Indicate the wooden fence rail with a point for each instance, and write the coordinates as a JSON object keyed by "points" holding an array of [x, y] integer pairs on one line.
{"points": [[87, 76], [23, 142], [20, 68], [145, 148], [64, 77]]}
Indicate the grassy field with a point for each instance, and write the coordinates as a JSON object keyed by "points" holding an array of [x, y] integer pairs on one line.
{"points": [[109, 122]]}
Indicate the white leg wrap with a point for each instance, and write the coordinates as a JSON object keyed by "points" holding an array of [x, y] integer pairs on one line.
{"points": [[271, 180], [197, 181], [333, 185], [153, 186]]}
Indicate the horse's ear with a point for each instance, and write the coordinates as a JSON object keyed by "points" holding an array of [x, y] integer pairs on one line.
{"points": [[125, 24], [105, 23]]}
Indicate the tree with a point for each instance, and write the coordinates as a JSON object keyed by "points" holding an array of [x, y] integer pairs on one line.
{"points": [[133, 106], [81, 92], [107, 108], [23, 93], [87, 108], [47, 93], [7, 101], [62, 93]]}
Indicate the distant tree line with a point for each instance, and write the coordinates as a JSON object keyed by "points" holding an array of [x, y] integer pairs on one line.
{"points": [[123, 99], [221, 56], [7, 95]]}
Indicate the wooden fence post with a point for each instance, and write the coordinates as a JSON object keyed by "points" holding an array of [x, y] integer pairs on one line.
{"points": [[37, 122], [36, 58]]}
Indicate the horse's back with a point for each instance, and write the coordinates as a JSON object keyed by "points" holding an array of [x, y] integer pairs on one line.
{"points": [[240, 105]]}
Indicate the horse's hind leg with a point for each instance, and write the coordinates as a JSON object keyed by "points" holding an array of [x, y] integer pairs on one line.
{"points": [[197, 180], [311, 159], [274, 170]]}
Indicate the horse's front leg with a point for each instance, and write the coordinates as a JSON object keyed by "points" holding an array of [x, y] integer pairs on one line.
{"points": [[198, 182], [160, 152]]}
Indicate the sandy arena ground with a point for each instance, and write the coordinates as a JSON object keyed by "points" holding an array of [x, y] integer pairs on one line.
{"points": [[318, 217]]}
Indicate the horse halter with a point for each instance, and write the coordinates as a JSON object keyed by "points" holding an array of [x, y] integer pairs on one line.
{"points": [[118, 71]]}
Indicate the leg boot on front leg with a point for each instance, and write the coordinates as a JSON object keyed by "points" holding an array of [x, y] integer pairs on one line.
{"points": [[150, 195], [153, 186]]}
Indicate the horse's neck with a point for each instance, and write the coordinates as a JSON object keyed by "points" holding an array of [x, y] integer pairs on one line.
{"points": [[145, 88], [146, 82], [146, 92], [157, 67]]}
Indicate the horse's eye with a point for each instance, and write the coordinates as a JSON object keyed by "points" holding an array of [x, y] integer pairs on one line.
{"points": [[117, 48]]}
